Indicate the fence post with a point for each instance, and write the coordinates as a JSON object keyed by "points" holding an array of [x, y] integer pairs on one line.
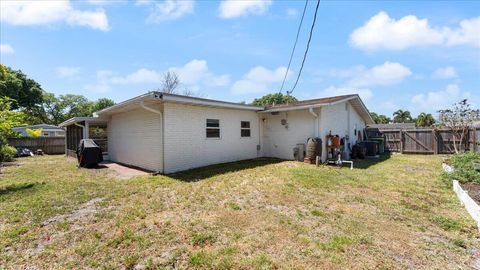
{"points": [[435, 141], [474, 139], [402, 141]]}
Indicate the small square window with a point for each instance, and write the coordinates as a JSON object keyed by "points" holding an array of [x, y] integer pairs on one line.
{"points": [[245, 129], [213, 128], [245, 124], [245, 132]]}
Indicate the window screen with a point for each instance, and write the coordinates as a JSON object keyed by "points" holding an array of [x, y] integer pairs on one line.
{"points": [[213, 128], [245, 128]]}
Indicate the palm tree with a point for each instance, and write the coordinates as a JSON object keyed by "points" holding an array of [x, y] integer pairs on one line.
{"points": [[425, 120], [402, 116]]}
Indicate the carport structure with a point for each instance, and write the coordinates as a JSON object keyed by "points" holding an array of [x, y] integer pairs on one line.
{"points": [[78, 128]]}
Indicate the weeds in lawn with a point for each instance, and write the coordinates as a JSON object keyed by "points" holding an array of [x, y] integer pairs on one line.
{"points": [[447, 223]]}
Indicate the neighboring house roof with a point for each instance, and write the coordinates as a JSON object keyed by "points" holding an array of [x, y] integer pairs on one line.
{"points": [[42, 126], [354, 100], [393, 126]]}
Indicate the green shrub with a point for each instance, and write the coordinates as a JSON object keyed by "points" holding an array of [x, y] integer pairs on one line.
{"points": [[7, 153], [464, 169]]}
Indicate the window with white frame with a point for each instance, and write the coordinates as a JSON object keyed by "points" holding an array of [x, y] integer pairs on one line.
{"points": [[245, 128], [213, 128]]}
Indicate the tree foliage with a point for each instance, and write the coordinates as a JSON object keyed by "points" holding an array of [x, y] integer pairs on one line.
{"points": [[26, 92], [425, 120], [401, 116], [459, 119], [8, 120], [380, 118], [275, 98], [54, 110]]}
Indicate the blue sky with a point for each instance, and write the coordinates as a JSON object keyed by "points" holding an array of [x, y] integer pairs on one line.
{"points": [[419, 56]]}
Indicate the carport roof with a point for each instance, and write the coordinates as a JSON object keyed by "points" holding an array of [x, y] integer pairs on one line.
{"points": [[80, 119]]}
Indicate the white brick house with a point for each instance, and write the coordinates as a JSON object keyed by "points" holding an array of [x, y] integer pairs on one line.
{"points": [[169, 133]]}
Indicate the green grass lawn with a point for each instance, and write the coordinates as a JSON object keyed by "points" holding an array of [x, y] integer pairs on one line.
{"points": [[260, 214]]}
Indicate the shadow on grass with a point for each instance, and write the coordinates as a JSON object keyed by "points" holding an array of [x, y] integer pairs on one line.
{"points": [[15, 188], [367, 162], [202, 173]]}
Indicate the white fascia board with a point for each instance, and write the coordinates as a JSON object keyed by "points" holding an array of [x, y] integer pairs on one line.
{"points": [[304, 107], [208, 102]]}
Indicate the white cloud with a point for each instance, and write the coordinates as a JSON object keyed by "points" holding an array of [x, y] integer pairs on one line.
{"points": [[364, 93], [6, 49], [259, 80], [445, 73], [229, 9], [51, 12], [436, 100], [194, 74], [143, 2], [168, 10], [386, 74], [468, 33], [197, 71], [383, 32], [106, 2], [142, 75], [66, 72]]}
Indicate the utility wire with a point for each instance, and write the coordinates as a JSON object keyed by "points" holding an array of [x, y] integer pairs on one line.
{"points": [[306, 50], [294, 46]]}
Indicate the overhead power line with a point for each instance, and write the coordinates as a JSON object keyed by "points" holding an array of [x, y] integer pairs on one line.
{"points": [[294, 46], [306, 50]]}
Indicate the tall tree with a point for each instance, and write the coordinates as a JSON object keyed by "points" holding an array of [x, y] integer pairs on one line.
{"points": [[425, 120], [170, 82], [8, 120], [26, 93], [380, 118], [101, 104], [275, 98], [401, 116], [459, 119]]}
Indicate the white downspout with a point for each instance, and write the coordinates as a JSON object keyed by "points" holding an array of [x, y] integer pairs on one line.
{"points": [[310, 110], [83, 129], [142, 104]]}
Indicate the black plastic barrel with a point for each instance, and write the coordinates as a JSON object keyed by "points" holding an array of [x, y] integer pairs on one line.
{"points": [[314, 148]]}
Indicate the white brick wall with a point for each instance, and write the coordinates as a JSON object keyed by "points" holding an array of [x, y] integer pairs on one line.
{"points": [[186, 145], [134, 138], [279, 141]]}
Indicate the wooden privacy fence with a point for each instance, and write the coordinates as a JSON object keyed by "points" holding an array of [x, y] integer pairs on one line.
{"points": [[425, 140], [49, 145]]}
